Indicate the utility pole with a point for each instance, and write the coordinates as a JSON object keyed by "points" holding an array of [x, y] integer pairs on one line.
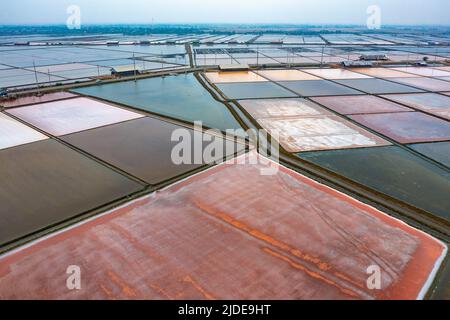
{"points": [[36, 76], [134, 68], [257, 55], [321, 59]]}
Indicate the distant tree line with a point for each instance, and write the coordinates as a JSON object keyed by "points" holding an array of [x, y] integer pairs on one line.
{"points": [[181, 29]]}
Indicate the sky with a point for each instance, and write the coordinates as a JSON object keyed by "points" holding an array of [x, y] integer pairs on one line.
{"points": [[226, 11]]}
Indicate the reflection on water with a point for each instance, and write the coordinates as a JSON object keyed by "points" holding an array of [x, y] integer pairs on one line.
{"points": [[181, 97]]}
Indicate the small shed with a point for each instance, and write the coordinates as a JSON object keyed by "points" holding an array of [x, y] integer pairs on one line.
{"points": [[126, 71], [373, 57], [234, 67]]}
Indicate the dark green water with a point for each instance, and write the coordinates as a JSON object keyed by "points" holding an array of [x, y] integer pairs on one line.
{"points": [[392, 171], [438, 151]]}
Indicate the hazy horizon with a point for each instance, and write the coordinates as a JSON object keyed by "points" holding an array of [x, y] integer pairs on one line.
{"points": [[278, 24], [290, 12]]}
